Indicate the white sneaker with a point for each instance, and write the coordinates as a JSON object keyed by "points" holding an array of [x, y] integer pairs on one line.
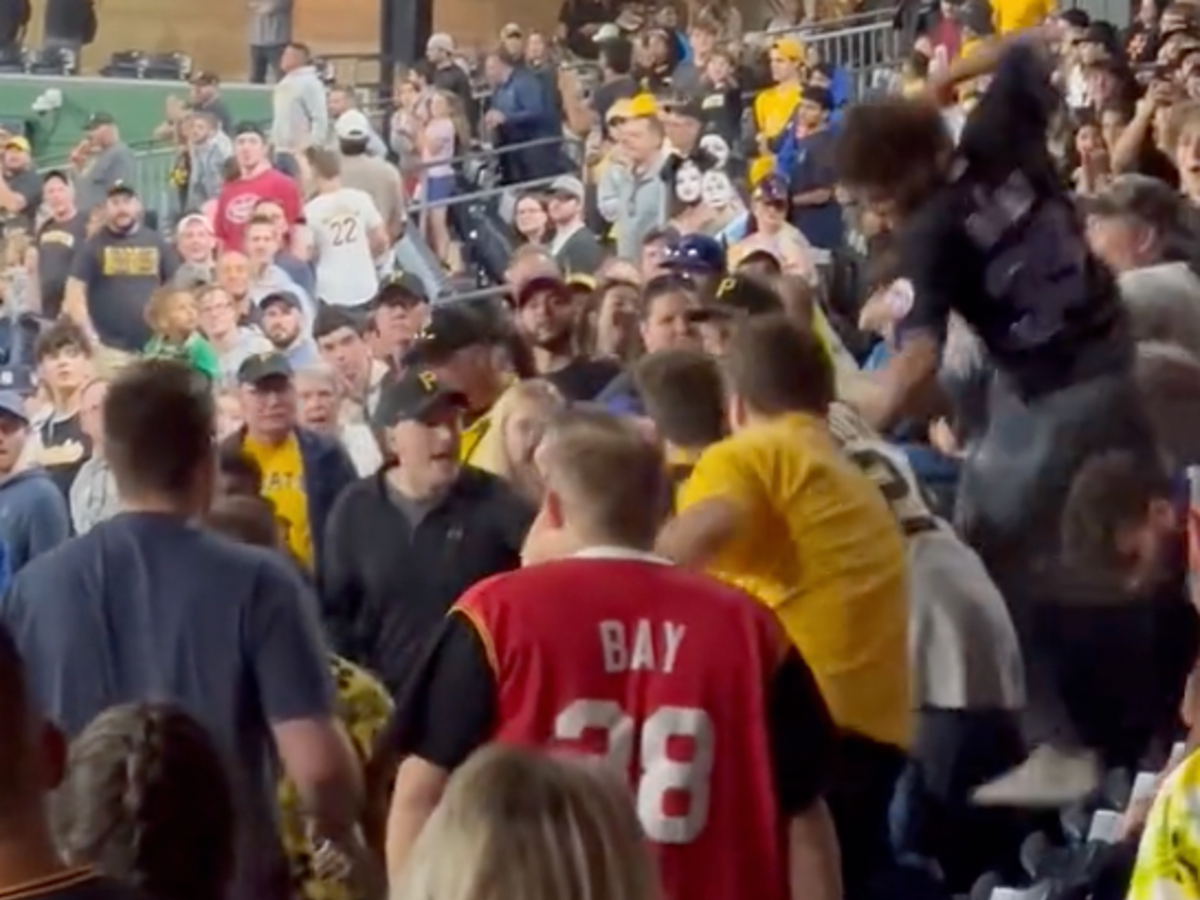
{"points": [[1049, 778]]}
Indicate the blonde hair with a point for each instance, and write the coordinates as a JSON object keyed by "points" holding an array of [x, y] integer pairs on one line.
{"points": [[513, 823], [458, 115], [491, 454], [16, 247]]}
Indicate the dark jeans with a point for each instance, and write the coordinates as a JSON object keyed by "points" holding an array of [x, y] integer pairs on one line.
{"points": [[1016, 477], [933, 818], [860, 799], [1079, 636], [264, 63]]}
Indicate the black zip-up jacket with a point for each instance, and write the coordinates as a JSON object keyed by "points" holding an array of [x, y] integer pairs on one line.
{"points": [[385, 585]]}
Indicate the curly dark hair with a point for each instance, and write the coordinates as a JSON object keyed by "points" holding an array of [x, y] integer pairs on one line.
{"points": [[147, 800], [894, 145]]}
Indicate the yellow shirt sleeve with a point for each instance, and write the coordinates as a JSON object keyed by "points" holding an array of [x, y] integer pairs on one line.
{"points": [[722, 472], [1168, 861], [727, 470]]}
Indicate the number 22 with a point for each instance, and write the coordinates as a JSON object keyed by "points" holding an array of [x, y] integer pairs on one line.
{"points": [[345, 230], [659, 773]]}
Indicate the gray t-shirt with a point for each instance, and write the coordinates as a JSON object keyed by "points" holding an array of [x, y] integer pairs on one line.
{"points": [[106, 168]]}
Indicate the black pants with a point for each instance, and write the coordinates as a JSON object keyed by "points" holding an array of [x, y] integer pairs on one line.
{"points": [[933, 818], [264, 63], [860, 801], [1016, 478], [1073, 629]]}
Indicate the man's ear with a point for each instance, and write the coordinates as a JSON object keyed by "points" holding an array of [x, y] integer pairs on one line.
{"points": [[552, 509], [1162, 514]]}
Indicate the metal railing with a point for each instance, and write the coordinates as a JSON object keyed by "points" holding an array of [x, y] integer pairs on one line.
{"points": [[151, 179], [862, 44]]}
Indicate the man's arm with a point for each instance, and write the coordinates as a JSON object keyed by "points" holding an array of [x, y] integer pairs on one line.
{"points": [[377, 234], [318, 115], [339, 588], [448, 711], [85, 269], [697, 534], [289, 662], [12, 202], [529, 101], [719, 496], [885, 399]]}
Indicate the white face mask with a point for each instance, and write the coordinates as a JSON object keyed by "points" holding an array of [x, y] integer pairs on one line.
{"points": [[715, 144], [689, 183], [716, 191]]}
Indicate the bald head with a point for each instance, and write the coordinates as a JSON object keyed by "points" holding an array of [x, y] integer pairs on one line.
{"points": [[609, 479], [528, 263]]}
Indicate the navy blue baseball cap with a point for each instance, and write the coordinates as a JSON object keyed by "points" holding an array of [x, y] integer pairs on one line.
{"points": [[13, 405], [696, 253]]}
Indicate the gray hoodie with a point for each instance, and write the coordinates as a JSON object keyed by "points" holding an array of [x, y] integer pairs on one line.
{"points": [[634, 202], [206, 176], [300, 116], [33, 516]]}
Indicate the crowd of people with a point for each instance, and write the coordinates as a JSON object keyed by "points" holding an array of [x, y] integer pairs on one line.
{"points": [[823, 462]]}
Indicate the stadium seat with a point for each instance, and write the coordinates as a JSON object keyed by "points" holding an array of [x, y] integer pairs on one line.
{"points": [[51, 61], [12, 59], [139, 64]]}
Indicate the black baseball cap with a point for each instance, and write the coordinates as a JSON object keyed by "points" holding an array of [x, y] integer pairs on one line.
{"points": [[120, 188], [96, 119], [262, 366], [549, 284], [285, 297], [412, 397], [771, 188], [686, 105], [401, 289], [453, 326], [740, 295]]}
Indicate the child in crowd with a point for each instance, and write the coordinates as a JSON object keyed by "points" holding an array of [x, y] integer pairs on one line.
{"points": [[175, 320], [18, 288], [439, 137]]}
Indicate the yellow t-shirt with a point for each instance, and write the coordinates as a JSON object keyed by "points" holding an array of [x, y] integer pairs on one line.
{"points": [[821, 548], [283, 484], [363, 708], [472, 437], [1016, 15], [1168, 860], [773, 108]]}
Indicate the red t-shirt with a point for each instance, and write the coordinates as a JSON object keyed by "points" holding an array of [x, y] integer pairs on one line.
{"points": [[948, 35], [236, 202], [666, 672]]}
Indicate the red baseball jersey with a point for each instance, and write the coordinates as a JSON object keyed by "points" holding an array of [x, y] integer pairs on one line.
{"points": [[665, 672]]}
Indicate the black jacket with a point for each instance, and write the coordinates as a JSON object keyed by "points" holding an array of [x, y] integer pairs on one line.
{"points": [[385, 585]]}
